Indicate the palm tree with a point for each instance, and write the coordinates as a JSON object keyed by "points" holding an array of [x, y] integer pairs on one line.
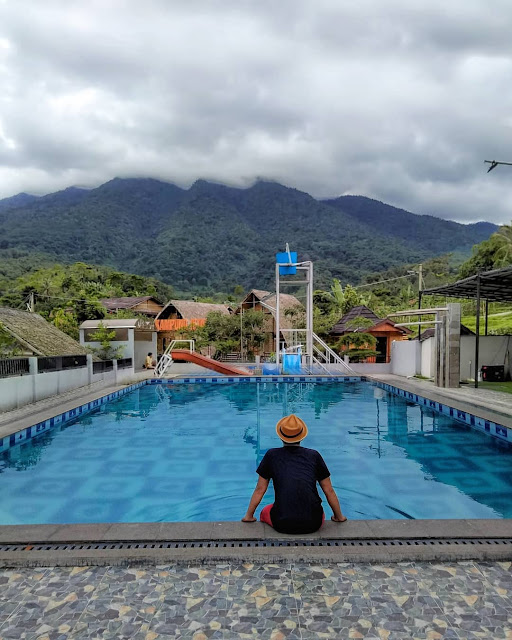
{"points": [[503, 237]]}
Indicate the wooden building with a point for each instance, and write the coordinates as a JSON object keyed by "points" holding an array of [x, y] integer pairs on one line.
{"points": [[180, 314], [265, 301], [146, 305], [383, 329]]}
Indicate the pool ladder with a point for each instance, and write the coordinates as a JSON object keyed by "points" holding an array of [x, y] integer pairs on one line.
{"points": [[166, 360]]}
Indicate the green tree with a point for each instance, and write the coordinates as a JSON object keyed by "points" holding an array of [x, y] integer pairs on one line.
{"points": [[348, 298], [105, 337], [494, 253], [357, 344], [223, 332], [66, 321], [503, 255], [8, 345]]}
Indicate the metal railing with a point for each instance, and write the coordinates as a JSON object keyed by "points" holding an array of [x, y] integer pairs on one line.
{"points": [[13, 367], [166, 359], [103, 366], [60, 363], [324, 355], [124, 363]]}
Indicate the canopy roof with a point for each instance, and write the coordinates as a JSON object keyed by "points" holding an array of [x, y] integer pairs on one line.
{"points": [[495, 286]]}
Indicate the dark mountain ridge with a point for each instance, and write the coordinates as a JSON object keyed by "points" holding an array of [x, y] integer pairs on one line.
{"points": [[212, 236]]}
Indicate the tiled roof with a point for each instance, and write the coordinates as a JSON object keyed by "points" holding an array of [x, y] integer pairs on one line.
{"points": [[360, 311]]}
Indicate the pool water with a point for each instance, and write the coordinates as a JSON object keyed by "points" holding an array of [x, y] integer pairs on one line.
{"points": [[189, 453]]}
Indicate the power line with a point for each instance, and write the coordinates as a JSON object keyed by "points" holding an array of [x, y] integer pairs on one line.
{"points": [[370, 284]]}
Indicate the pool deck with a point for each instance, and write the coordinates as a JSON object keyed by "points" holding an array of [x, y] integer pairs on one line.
{"points": [[252, 601], [211, 542], [18, 419], [354, 541], [485, 403]]}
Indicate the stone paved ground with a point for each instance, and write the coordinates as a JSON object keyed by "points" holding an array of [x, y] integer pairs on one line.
{"points": [[288, 601]]}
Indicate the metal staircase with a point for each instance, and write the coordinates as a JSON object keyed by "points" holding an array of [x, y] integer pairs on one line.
{"points": [[166, 360], [323, 355]]}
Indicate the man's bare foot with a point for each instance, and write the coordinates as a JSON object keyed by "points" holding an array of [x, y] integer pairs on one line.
{"points": [[344, 519], [246, 519]]}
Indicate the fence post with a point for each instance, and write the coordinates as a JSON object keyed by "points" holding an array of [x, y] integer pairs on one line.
{"points": [[33, 371], [89, 368], [114, 363]]}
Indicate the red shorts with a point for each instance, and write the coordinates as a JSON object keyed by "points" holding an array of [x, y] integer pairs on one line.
{"points": [[265, 515]]}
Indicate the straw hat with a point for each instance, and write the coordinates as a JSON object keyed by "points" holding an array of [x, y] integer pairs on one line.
{"points": [[291, 429]]}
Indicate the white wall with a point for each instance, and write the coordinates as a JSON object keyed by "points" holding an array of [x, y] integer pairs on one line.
{"points": [[132, 348], [405, 357], [370, 367], [493, 350], [126, 345], [142, 348], [427, 358], [18, 391]]}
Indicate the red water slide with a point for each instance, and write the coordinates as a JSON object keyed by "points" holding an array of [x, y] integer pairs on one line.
{"points": [[208, 363]]}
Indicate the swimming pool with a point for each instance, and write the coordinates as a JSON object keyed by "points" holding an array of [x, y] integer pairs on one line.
{"points": [[188, 452]]}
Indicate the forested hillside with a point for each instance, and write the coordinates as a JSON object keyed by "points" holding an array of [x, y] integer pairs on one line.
{"points": [[212, 237], [69, 294]]}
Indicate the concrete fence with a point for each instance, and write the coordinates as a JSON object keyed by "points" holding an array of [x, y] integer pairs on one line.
{"points": [[494, 350], [18, 391]]}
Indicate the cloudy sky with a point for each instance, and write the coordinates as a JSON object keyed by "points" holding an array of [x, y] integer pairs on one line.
{"points": [[400, 100]]}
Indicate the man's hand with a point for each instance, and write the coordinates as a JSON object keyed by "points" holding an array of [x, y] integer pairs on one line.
{"points": [[335, 519], [258, 494]]}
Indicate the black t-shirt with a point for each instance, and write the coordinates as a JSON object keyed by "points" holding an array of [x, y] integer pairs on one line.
{"points": [[295, 472]]}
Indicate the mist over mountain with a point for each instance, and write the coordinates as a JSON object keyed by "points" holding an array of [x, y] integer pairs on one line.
{"points": [[213, 237]]}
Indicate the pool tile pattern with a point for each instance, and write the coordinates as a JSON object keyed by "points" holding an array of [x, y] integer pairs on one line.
{"points": [[485, 426], [491, 428], [300, 601]]}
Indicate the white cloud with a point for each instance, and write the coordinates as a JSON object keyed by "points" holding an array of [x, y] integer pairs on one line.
{"points": [[401, 101]]}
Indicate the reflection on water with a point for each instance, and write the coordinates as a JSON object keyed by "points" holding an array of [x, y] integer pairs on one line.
{"points": [[189, 453]]}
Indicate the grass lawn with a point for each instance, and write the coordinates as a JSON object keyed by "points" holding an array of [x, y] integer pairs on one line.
{"points": [[499, 321], [506, 387]]}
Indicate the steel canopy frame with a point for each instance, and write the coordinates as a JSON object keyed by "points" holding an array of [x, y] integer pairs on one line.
{"points": [[495, 286], [306, 266], [491, 286]]}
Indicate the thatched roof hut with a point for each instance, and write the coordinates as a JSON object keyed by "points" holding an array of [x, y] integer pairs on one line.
{"points": [[190, 310], [267, 300], [147, 305], [37, 336]]}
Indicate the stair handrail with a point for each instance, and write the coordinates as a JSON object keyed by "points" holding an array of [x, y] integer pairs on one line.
{"points": [[166, 359], [335, 357], [322, 366]]}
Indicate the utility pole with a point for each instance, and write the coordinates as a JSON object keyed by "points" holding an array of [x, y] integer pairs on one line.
{"points": [[495, 163]]}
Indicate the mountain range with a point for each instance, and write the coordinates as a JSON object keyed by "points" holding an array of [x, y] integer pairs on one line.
{"points": [[212, 237]]}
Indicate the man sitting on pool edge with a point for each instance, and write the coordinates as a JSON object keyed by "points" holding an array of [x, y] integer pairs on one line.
{"points": [[295, 470]]}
